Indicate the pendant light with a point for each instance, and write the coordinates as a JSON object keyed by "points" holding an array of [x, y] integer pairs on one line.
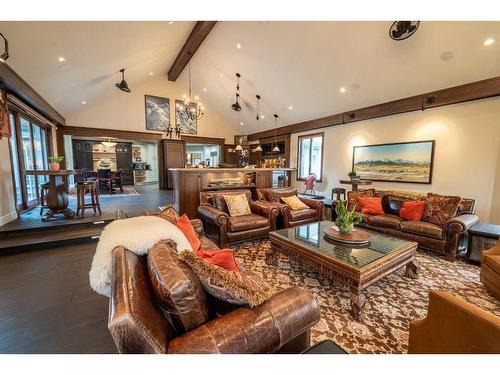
{"points": [[194, 110], [5, 55], [258, 148], [109, 143], [236, 106], [123, 84], [276, 148]]}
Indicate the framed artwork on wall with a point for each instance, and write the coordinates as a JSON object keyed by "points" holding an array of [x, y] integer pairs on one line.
{"points": [[395, 162], [157, 113], [182, 120]]}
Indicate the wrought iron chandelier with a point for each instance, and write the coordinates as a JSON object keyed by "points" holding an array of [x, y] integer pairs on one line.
{"points": [[257, 117], [194, 109]]}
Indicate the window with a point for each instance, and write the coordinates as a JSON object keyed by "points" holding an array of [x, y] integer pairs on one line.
{"points": [[310, 156], [15, 161]]}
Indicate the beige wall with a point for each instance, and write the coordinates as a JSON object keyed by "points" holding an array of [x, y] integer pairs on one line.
{"points": [[7, 205], [495, 204], [124, 111], [467, 149]]}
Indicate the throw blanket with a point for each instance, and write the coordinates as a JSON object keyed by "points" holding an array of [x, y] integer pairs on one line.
{"points": [[137, 234]]}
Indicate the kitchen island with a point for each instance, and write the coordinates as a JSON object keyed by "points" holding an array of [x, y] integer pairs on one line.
{"points": [[190, 182]]}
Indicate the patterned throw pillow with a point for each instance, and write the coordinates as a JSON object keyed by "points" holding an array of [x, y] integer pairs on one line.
{"points": [[294, 203], [238, 288], [353, 196], [440, 208], [168, 213], [237, 204]]}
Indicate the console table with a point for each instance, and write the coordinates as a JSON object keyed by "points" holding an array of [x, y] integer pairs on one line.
{"points": [[481, 237], [355, 183], [57, 196]]}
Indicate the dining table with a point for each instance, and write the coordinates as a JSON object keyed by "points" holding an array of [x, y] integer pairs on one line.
{"points": [[57, 195]]}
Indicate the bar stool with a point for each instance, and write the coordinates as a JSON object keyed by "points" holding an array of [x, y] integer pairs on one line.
{"points": [[339, 192], [43, 189], [81, 189]]}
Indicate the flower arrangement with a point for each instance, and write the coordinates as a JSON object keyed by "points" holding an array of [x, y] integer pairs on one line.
{"points": [[104, 163], [346, 219]]}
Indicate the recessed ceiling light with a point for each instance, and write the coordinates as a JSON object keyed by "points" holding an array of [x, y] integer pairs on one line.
{"points": [[342, 90], [151, 73], [171, 22], [61, 59], [290, 107], [238, 45], [261, 116], [84, 102], [221, 75], [205, 89], [241, 123], [488, 42]]}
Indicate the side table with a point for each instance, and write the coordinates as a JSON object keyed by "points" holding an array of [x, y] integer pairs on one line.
{"points": [[481, 237]]}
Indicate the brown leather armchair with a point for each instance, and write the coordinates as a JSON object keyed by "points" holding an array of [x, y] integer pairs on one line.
{"points": [[490, 270], [289, 218], [224, 229], [454, 326], [194, 321]]}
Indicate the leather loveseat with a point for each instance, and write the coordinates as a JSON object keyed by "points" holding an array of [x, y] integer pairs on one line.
{"points": [[224, 229], [490, 270], [290, 218], [448, 239], [194, 321]]}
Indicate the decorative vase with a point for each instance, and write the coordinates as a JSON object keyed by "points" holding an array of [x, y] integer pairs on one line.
{"points": [[54, 167], [346, 229], [354, 178]]}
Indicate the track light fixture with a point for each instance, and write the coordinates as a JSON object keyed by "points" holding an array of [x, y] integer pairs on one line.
{"points": [[123, 84], [5, 55]]}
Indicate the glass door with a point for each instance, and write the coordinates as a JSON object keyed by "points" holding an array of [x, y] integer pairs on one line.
{"points": [[40, 151], [29, 161], [15, 162]]}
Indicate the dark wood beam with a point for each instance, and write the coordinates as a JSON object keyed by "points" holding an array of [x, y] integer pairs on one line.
{"points": [[193, 42], [14, 84], [453, 95], [80, 131]]}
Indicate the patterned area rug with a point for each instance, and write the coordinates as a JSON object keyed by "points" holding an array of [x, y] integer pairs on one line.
{"points": [[391, 303]]}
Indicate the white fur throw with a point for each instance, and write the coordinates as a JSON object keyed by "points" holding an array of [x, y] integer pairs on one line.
{"points": [[137, 234]]}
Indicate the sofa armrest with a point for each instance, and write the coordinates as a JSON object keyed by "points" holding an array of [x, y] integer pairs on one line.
{"points": [[315, 204], [206, 212], [454, 326], [495, 250], [266, 209], [264, 329], [198, 226], [215, 223], [461, 223]]}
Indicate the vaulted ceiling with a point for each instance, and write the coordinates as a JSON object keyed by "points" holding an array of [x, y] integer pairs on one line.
{"points": [[302, 65]]}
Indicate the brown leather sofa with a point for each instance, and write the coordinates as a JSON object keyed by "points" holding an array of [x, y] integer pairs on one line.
{"points": [[454, 326], [490, 270], [289, 218], [194, 321], [224, 229], [448, 239]]}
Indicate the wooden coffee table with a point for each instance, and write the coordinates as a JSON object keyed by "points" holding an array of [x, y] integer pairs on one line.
{"points": [[354, 267]]}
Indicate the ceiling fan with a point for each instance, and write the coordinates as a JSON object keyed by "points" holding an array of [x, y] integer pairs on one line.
{"points": [[401, 30], [236, 105], [123, 84]]}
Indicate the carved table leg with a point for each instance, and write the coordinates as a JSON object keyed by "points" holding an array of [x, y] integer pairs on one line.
{"points": [[358, 301], [412, 269], [271, 257]]}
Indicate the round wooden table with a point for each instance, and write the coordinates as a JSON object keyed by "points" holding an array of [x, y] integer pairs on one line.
{"points": [[355, 183], [57, 196]]}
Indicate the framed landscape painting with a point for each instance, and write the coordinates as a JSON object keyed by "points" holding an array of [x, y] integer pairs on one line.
{"points": [[395, 162], [157, 113], [183, 121]]}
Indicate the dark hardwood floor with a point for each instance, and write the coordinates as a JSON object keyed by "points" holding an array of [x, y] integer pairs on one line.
{"points": [[47, 306], [46, 303]]}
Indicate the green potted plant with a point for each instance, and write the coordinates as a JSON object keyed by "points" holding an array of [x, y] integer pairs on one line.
{"points": [[55, 163], [346, 219], [353, 175]]}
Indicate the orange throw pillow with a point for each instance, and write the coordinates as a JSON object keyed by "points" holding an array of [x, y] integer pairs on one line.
{"points": [[223, 258], [412, 210], [184, 224], [371, 205]]}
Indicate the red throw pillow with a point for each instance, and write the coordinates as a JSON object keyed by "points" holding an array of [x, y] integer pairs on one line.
{"points": [[223, 258], [371, 205], [184, 224], [412, 210]]}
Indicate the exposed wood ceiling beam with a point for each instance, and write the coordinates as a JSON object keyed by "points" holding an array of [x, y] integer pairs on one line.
{"points": [[193, 42], [458, 94], [14, 84]]}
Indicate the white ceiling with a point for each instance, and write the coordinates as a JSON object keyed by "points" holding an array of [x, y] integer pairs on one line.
{"points": [[302, 64], [94, 53]]}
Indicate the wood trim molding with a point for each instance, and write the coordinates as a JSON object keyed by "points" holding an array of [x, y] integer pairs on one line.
{"points": [[111, 133], [200, 31], [453, 95], [204, 140], [17, 86]]}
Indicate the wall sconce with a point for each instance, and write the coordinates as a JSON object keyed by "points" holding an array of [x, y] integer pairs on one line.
{"points": [[4, 56]]}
